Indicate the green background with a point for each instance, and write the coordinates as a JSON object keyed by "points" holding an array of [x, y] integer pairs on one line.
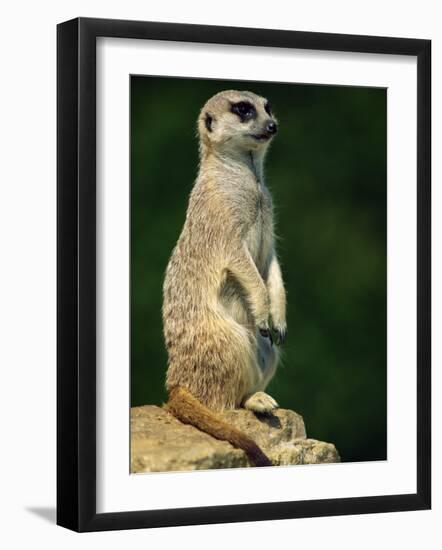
{"points": [[327, 172]]}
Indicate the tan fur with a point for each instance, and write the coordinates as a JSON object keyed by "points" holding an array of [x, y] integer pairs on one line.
{"points": [[223, 282]]}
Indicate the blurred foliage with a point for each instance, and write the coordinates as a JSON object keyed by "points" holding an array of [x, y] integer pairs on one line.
{"points": [[327, 173]]}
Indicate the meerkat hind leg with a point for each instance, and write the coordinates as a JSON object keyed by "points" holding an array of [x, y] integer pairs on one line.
{"points": [[260, 402]]}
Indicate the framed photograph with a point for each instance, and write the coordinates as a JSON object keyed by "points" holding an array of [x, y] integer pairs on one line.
{"points": [[243, 274]]}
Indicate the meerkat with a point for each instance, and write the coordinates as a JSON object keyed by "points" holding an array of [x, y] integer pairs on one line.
{"points": [[223, 284]]}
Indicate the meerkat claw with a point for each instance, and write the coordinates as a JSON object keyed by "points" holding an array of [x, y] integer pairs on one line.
{"points": [[281, 334]]}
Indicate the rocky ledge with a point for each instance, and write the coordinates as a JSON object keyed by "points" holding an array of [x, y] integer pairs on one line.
{"points": [[160, 443]]}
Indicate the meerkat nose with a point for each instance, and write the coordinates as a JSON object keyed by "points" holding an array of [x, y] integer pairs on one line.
{"points": [[271, 127]]}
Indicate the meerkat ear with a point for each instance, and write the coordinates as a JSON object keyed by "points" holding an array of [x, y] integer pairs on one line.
{"points": [[208, 120]]}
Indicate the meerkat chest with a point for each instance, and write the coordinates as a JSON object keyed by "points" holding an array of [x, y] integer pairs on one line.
{"points": [[259, 236]]}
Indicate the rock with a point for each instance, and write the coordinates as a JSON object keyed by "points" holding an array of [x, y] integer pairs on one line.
{"points": [[160, 443]]}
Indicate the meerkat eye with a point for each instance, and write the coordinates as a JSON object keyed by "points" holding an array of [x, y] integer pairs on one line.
{"points": [[244, 110], [208, 122], [268, 108]]}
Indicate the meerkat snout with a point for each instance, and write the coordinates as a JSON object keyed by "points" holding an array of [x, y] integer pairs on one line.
{"points": [[271, 127]]}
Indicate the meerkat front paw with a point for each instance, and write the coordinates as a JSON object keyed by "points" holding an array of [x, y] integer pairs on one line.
{"points": [[260, 402]]}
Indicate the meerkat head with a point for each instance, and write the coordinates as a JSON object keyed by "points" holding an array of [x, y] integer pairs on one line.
{"points": [[234, 121]]}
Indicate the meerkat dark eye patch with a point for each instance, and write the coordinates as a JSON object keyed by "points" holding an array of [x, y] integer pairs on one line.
{"points": [[244, 109], [268, 108], [208, 121]]}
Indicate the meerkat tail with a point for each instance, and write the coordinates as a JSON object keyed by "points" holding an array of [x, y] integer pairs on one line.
{"points": [[184, 406]]}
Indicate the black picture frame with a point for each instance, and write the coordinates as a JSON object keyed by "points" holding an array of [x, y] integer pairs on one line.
{"points": [[76, 273]]}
